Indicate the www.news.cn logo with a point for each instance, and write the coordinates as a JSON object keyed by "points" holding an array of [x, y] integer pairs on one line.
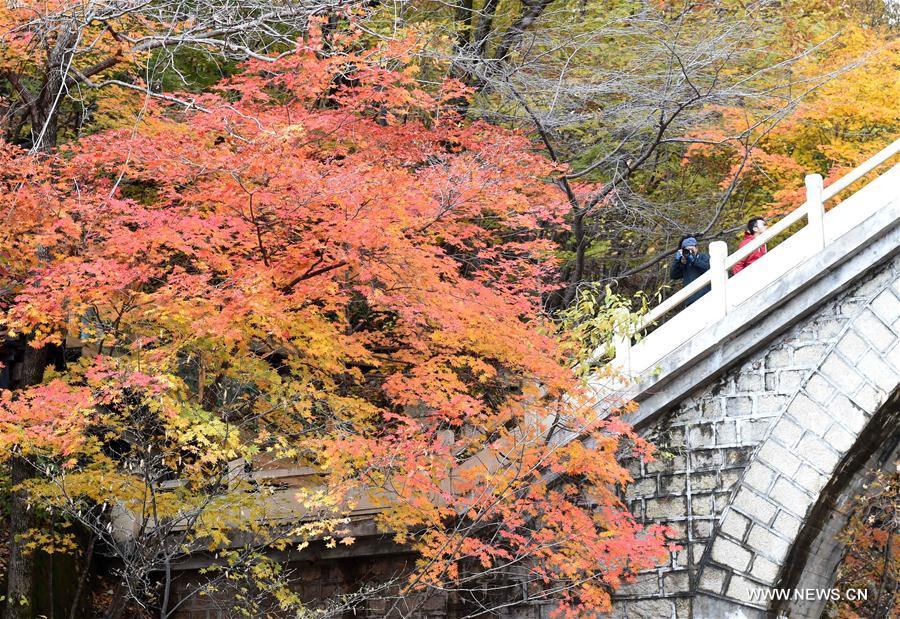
{"points": [[807, 595]]}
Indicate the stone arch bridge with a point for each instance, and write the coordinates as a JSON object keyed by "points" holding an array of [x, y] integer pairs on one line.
{"points": [[773, 399]]}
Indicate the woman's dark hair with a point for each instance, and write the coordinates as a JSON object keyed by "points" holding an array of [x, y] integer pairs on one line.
{"points": [[752, 223]]}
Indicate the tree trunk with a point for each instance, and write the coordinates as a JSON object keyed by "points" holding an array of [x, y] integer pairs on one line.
{"points": [[20, 586], [45, 118], [19, 602], [577, 273], [45, 130], [45, 114], [118, 603], [83, 577], [515, 31]]}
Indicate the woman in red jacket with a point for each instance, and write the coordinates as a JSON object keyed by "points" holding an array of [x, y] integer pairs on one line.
{"points": [[755, 227]]}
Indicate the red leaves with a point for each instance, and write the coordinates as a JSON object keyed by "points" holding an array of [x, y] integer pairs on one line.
{"points": [[46, 419], [369, 268]]}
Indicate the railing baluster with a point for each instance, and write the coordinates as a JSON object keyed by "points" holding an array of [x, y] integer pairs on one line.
{"points": [[718, 252], [815, 211]]}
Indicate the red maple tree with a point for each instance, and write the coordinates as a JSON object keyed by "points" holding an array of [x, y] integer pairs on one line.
{"points": [[325, 267]]}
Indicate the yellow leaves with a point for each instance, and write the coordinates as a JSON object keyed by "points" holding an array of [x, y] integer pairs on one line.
{"points": [[117, 107], [483, 371], [216, 538], [532, 390], [848, 117], [327, 529], [295, 131], [204, 435], [52, 542], [100, 483]]}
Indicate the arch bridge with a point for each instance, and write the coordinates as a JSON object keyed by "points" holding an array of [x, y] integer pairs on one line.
{"points": [[773, 399]]}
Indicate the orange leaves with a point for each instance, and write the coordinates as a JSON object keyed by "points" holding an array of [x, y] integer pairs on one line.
{"points": [[872, 556], [834, 109], [337, 271], [46, 419]]}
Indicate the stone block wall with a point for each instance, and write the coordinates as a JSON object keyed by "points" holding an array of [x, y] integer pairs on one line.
{"points": [[742, 460], [318, 582]]}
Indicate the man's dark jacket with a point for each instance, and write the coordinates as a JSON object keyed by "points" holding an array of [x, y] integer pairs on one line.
{"points": [[695, 267]]}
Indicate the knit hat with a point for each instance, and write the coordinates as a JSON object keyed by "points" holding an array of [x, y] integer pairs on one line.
{"points": [[689, 242]]}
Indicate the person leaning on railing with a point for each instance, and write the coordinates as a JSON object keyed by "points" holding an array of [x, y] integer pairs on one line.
{"points": [[755, 227], [690, 263]]}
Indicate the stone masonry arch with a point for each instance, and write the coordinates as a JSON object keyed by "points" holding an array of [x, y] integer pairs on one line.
{"points": [[803, 447], [746, 458], [816, 552]]}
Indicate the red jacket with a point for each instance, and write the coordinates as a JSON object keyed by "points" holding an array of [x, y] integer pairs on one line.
{"points": [[756, 255]]}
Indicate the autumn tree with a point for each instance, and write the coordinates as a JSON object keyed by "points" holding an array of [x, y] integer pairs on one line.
{"points": [[615, 91], [622, 93], [29, 202], [836, 127], [871, 560], [325, 266], [55, 54]]}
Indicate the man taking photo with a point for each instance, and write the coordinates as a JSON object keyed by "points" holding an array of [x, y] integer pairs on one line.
{"points": [[690, 263]]}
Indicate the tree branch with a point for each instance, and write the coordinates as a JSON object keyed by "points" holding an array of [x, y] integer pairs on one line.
{"points": [[312, 273]]}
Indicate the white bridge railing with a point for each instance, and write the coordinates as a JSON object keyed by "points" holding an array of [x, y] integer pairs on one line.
{"points": [[718, 304]]}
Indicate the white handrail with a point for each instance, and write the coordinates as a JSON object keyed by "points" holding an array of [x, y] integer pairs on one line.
{"points": [[674, 301], [858, 172], [783, 224]]}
